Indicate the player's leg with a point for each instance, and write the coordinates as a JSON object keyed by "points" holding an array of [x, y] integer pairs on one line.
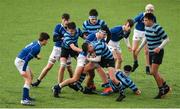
{"points": [[55, 56], [69, 67], [119, 60], [62, 69], [19, 63], [90, 79], [57, 88], [147, 59]]}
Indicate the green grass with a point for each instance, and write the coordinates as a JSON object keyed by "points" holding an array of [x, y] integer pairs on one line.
{"points": [[22, 20]]}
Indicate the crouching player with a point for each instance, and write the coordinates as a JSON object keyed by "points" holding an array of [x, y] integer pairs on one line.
{"points": [[126, 82], [21, 62]]}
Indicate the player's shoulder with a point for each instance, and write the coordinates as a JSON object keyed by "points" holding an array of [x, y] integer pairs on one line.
{"points": [[86, 22]]}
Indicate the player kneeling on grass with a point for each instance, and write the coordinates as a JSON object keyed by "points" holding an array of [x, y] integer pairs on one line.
{"points": [[126, 82], [21, 62]]}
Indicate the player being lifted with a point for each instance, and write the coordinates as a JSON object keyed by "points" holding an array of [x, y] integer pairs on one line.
{"points": [[58, 36], [139, 33], [21, 62], [118, 33], [156, 39]]}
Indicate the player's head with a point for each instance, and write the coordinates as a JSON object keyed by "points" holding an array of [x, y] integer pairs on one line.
{"points": [[93, 14], [43, 38], [71, 28], [127, 68], [148, 19], [87, 47], [128, 25], [149, 8], [103, 32], [65, 19]]}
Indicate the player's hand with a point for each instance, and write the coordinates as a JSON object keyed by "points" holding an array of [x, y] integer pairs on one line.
{"points": [[137, 52], [157, 50], [129, 49], [38, 57], [138, 92]]}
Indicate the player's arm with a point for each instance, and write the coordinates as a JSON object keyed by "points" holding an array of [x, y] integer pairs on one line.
{"points": [[141, 45], [138, 17], [94, 59], [134, 88], [126, 40], [73, 47], [84, 30], [56, 35], [165, 38], [81, 34]]}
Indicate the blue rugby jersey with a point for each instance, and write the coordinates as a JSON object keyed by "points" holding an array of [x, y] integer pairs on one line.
{"points": [[117, 33], [89, 28], [102, 50], [68, 39], [154, 36], [139, 20], [125, 80], [59, 31], [30, 51]]}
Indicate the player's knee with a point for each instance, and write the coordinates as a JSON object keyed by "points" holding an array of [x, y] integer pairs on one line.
{"points": [[63, 64], [146, 52]]}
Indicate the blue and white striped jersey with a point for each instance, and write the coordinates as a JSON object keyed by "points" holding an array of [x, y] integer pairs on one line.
{"points": [[90, 28], [102, 50], [59, 31], [154, 36], [139, 19], [68, 39], [125, 80], [117, 33], [30, 51]]}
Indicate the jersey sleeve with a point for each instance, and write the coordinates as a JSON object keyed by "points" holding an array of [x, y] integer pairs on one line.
{"points": [[160, 32], [68, 40], [84, 27], [138, 17], [132, 85], [56, 35], [99, 49]]}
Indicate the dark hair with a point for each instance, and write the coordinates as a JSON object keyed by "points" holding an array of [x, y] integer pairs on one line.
{"points": [[43, 36], [85, 47], [71, 25], [131, 22], [149, 16], [127, 68], [93, 12], [65, 16], [105, 28]]}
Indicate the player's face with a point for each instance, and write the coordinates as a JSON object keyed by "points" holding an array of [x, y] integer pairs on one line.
{"points": [[65, 22], [127, 28], [148, 22], [93, 20], [102, 34], [71, 31], [44, 42], [149, 11], [90, 48]]}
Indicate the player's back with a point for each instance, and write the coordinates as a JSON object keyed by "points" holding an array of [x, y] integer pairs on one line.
{"points": [[33, 47]]}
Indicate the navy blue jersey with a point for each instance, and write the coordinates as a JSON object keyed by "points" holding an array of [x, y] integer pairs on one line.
{"points": [[154, 36], [125, 80], [30, 51], [139, 20], [117, 33], [90, 28], [102, 50], [59, 32], [68, 39], [92, 37]]}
